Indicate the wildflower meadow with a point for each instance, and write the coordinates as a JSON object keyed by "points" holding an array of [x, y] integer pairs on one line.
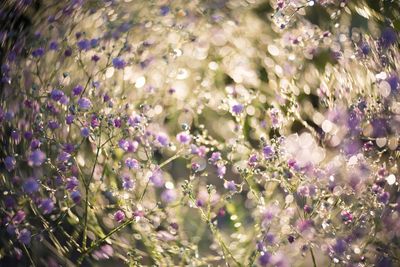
{"points": [[200, 133]]}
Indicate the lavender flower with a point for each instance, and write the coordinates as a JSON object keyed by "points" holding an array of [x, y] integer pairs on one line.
{"points": [[168, 195], [36, 158], [72, 183], [132, 163], [157, 178], [77, 90], [163, 139], [9, 163], [56, 94], [19, 217], [119, 63], [85, 132], [183, 138], [76, 196], [39, 52], [47, 206], [268, 152], [24, 236], [83, 44], [119, 216], [31, 186], [53, 45], [237, 108], [84, 103]]}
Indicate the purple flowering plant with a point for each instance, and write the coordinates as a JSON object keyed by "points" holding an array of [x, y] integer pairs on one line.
{"points": [[200, 133]]}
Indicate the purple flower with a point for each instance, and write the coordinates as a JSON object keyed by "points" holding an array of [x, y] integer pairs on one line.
{"points": [[84, 44], [200, 151], [183, 138], [132, 163], [9, 202], [304, 225], [215, 157], [47, 205], [56, 94], [84, 103], [134, 120], [39, 52], [15, 135], [77, 90], [11, 229], [221, 170], [195, 166], [199, 202], [53, 45], [252, 162], [36, 158], [119, 216], [24, 236], [118, 63], [68, 52], [268, 152], [104, 253], [96, 84], [132, 146], [388, 37], [69, 119], [340, 246], [117, 122], [157, 178], [19, 217], [72, 183], [264, 259], [123, 144], [94, 121], [69, 148], [35, 144], [163, 139], [384, 197], [10, 163], [76, 196], [95, 58], [347, 217], [30, 186], [270, 238], [164, 10], [106, 97], [365, 48], [394, 82], [237, 108], [230, 185], [168, 195], [126, 145], [85, 132], [127, 183], [94, 42], [53, 125], [307, 209], [63, 156], [64, 100], [28, 135]]}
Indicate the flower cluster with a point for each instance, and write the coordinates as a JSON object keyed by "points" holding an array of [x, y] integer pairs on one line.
{"points": [[200, 133]]}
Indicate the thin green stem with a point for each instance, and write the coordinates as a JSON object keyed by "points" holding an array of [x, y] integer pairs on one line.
{"points": [[313, 257], [87, 185], [29, 256], [103, 239], [246, 178], [159, 167]]}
